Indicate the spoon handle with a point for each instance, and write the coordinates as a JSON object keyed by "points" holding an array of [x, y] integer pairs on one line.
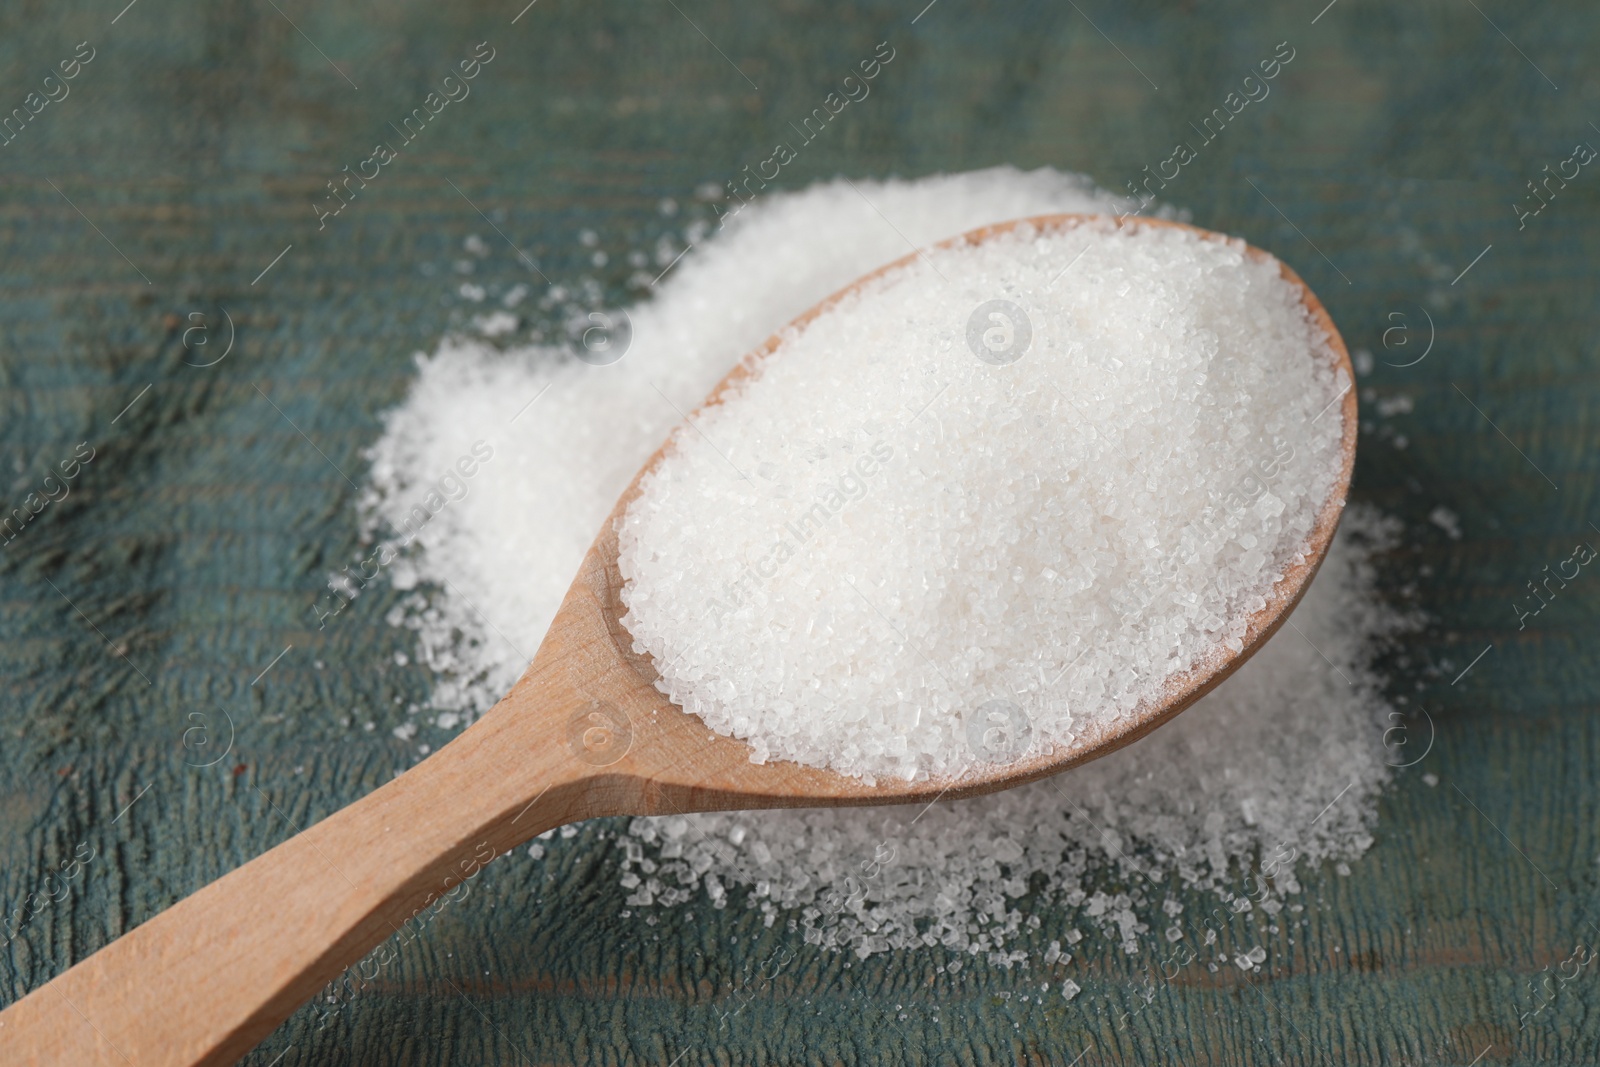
{"points": [[206, 980]]}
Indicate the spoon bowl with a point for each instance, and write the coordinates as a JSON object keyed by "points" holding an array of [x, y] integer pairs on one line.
{"points": [[583, 733]]}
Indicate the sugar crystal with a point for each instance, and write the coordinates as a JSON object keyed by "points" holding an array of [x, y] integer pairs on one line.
{"points": [[1134, 409]]}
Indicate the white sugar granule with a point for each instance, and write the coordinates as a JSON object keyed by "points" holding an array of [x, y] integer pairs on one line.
{"points": [[881, 535], [1243, 772]]}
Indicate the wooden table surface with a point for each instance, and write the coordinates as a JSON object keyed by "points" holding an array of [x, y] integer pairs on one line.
{"points": [[186, 157]]}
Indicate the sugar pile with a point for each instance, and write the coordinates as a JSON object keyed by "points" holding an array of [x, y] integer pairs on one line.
{"points": [[893, 530], [1241, 773]]}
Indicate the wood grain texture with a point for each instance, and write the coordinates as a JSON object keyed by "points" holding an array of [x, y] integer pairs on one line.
{"points": [[198, 538]]}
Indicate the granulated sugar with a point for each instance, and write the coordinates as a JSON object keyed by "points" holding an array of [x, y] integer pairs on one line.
{"points": [[1247, 770], [892, 528]]}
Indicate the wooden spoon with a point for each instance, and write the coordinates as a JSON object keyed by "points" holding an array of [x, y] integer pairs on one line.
{"points": [[584, 733]]}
